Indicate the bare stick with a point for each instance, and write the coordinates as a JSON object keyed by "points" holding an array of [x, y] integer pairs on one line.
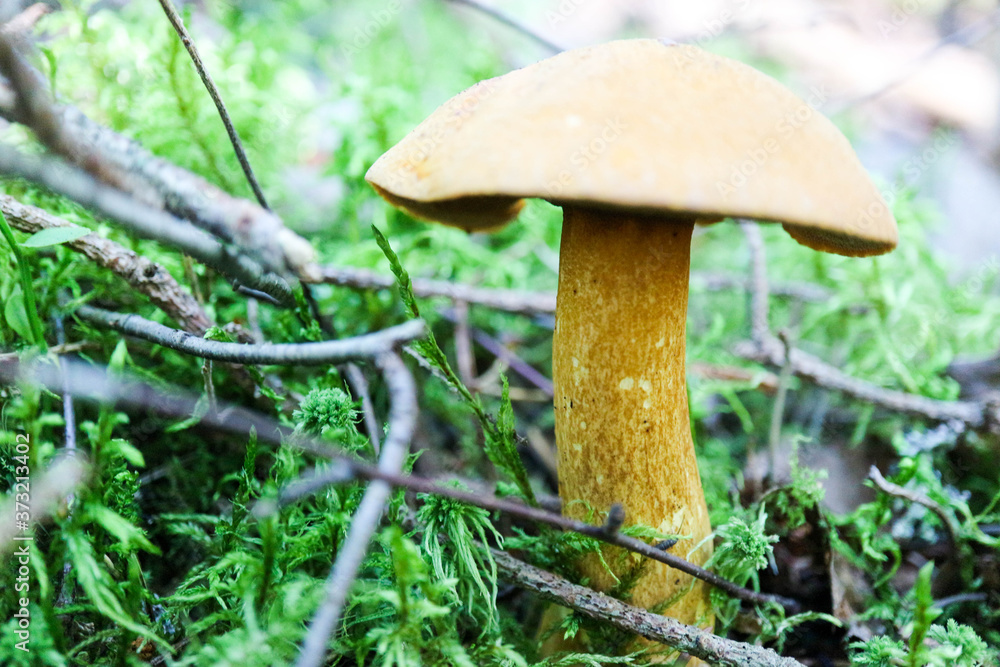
{"points": [[527, 303], [87, 382], [979, 416], [368, 346], [510, 22], [402, 421], [25, 22], [759, 290], [144, 220], [463, 344], [33, 108], [144, 275], [213, 91], [663, 629], [505, 355], [717, 282], [896, 491], [532, 303], [161, 184], [359, 387], [778, 413]]}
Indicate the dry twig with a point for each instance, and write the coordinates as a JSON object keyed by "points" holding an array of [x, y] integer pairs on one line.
{"points": [[213, 91], [759, 290], [978, 416], [663, 629], [510, 22], [144, 275], [896, 491], [527, 303], [144, 220], [348, 469], [372, 345]]}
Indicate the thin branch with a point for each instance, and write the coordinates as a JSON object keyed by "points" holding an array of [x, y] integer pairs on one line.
{"points": [[33, 108], [526, 303], [663, 629], [759, 290], [510, 22], [348, 469], [359, 387], [25, 22], [87, 382], [533, 303], [778, 412], [806, 292], [69, 348], [978, 416], [213, 91], [144, 220], [463, 344], [506, 356], [896, 491], [402, 422], [367, 346], [144, 275], [763, 380], [69, 414]]}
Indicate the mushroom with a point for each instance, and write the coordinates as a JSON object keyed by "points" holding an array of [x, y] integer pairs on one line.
{"points": [[637, 140]]}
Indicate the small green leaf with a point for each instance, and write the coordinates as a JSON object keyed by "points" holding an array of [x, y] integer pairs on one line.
{"points": [[130, 453], [16, 315], [128, 535], [55, 236]]}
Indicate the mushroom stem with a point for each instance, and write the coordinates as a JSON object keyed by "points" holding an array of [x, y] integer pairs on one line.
{"points": [[622, 424]]}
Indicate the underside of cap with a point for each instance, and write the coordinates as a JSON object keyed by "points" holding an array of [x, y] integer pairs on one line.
{"points": [[664, 130]]}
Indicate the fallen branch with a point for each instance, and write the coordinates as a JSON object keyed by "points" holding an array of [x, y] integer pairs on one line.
{"points": [[514, 301], [527, 302], [977, 416], [663, 629], [144, 220], [144, 275], [366, 346]]}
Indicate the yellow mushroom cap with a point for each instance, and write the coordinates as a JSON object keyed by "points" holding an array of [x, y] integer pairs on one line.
{"points": [[668, 130]]}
